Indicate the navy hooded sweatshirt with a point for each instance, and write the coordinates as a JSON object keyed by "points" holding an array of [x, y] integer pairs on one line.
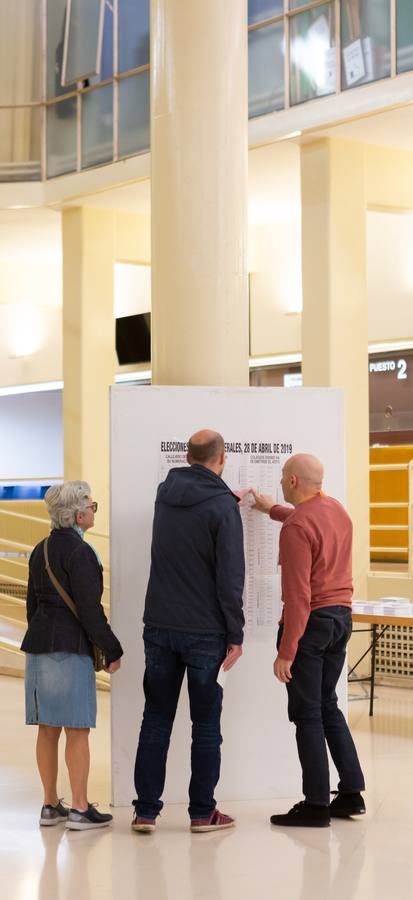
{"points": [[197, 556]]}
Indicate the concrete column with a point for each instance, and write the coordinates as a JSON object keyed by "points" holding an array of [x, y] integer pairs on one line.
{"points": [[89, 356], [199, 145], [334, 322]]}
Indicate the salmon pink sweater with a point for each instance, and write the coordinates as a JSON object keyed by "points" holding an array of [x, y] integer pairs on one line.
{"points": [[315, 559]]}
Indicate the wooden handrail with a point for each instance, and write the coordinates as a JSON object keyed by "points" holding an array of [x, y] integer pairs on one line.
{"points": [[26, 547], [11, 646], [386, 467], [4, 579], [389, 527], [11, 599], [28, 518], [16, 515]]}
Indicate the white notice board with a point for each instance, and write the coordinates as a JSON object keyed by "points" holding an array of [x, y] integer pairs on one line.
{"points": [[261, 427]]}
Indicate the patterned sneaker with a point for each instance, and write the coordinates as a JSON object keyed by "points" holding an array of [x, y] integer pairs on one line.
{"points": [[52, 815], [90, 818], [140, 823], [215, 822]]}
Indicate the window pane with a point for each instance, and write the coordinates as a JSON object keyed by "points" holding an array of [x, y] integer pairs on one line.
{"points": [[134, 114], [97, 127], [133, 34], [259, 10], [106, 60], [20, 144], [365, 38], [61, 137], [106, 63], [295, 4], [312, 54], [83, 37], [404, 35], [266, 69], [56, 18]]}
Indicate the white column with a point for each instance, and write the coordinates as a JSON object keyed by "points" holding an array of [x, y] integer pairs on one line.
{"points": [[199, 144]]}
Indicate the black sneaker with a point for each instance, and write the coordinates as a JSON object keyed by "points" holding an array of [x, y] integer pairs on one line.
{"points": [[304, 815], [91, 818], [345, 805], [52, 815]]}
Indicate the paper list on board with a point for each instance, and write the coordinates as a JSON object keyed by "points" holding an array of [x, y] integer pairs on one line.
{"points": [[249, 464], [262, 581]]}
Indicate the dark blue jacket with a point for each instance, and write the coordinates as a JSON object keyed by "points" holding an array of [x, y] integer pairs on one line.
{"points": [[197, 557], [52, 627]]}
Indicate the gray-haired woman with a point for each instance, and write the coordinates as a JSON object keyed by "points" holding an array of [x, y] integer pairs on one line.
{"points": [[60, 677]]}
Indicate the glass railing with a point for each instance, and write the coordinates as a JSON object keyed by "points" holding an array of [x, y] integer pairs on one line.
{"points": [[19, 531]]}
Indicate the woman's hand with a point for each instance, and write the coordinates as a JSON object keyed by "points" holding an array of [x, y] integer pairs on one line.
{"points": [[113, 667]]}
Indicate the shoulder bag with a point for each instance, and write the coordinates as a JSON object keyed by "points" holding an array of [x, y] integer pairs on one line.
{"points": [[99, 660]]}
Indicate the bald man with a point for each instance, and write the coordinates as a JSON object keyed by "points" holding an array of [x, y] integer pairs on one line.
{"points": [[316, 578], [193, 622]]}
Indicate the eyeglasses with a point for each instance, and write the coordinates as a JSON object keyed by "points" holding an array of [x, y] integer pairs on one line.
{"points": [[93, 506]]}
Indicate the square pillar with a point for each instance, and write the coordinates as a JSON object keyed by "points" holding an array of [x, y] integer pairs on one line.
{"points": [[89, 355], [334, 321]]}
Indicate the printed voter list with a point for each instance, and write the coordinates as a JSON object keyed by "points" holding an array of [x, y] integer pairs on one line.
{"points": [[249, 464]]}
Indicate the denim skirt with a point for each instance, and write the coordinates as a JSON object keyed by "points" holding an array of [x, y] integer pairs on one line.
{"points": [[60, 690]]}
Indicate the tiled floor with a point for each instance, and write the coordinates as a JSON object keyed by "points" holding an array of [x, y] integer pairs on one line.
{"points": [[369, 858]]}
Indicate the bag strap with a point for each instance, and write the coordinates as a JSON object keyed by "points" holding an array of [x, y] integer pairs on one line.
{"points": [[60, 590]]}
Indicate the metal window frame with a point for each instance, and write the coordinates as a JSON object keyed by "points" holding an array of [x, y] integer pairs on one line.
{"points": [[78, 89], [122, 77], [312, 4], [43, 125], [80, 76], [115, 81], [273, 20], [288, 13], [289, 16], [393, 39], [92, 88], [287, 57], [337, 37]]}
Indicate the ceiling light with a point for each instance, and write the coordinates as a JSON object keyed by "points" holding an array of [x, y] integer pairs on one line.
{"points": [[31, 388], [279, 360], [125, 377], [290, 135]]}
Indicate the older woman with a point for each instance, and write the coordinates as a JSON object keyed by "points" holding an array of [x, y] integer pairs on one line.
{"points": [[60, 677]]}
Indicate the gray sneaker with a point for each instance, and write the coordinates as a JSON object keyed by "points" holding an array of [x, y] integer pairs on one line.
{"points": [[52, 815], [90, 818]]}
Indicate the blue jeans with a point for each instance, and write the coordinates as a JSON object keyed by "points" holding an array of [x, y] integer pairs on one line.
{"points": [[312, 705], [167, 654]]}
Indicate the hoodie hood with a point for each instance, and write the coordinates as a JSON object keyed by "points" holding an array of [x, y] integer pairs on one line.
{"points": [[190, 485]]}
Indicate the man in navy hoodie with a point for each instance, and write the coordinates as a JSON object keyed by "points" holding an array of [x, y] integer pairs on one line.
{"points": [[193, 622]]}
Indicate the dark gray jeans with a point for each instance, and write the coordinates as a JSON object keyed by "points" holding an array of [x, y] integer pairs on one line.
{"points": [[312, 705]]}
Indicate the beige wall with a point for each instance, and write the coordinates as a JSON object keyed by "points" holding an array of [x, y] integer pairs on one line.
{"points": [[30, 296], [274, 253], [390, 275], [389, 177], [31, 289], [31, 274], [275, 289], [275, 256], [132, 237], [33, 330]]}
